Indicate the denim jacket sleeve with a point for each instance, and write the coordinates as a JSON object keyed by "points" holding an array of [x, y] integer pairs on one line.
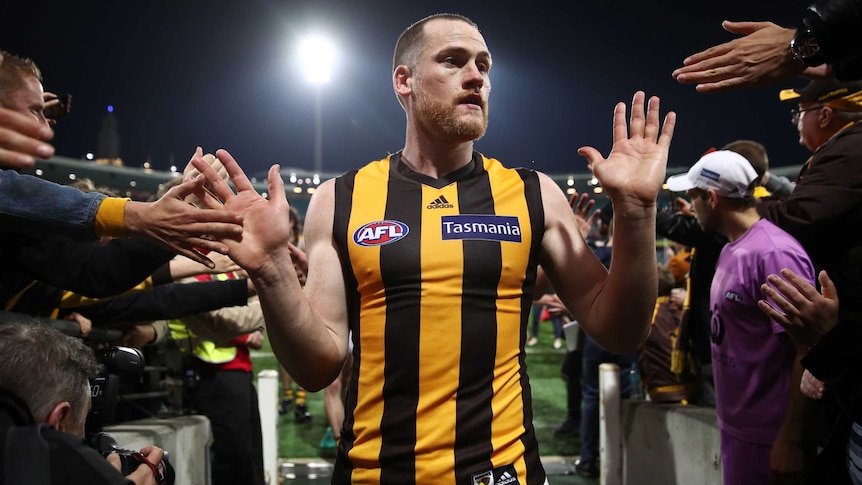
{"points": [[30, 204]]}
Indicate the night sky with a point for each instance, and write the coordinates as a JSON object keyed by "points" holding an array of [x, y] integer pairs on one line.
{"points": [[223, 74]]}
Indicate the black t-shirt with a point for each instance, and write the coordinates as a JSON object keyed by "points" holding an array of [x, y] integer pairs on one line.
{"points": [[70, 460]]}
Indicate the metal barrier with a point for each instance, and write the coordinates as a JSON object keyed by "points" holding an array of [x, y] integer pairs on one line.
{"points": [[610, 444], [267, 399]]}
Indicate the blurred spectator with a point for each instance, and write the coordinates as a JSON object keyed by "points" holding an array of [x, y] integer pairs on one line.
{"points": [[334, 397], [552, 310], [762, 423], [594, 355], [824, 329], [682, 227], [571, 366], [679, 263], [664, 379], [296, 400], [221, 385]]}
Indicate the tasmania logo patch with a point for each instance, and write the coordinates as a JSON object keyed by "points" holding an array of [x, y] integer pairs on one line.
{"points": [[378, 233], [483, 227]]}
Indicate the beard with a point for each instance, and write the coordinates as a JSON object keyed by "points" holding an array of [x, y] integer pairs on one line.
{"points": [[440, 117]]}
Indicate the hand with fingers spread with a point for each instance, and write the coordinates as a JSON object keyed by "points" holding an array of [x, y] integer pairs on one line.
{"points": [[760, 57], [634, 171], [181, 227], [797, 306], [582, 206]]}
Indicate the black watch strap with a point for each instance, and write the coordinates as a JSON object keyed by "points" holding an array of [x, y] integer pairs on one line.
{"points": [[805, 47]]}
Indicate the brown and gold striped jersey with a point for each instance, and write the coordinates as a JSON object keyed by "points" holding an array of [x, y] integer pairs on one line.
{"points": [[439, 276]]}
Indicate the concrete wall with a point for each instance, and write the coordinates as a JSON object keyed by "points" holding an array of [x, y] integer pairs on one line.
{"points": [[662, 444], [186, 438], [669, 444]]}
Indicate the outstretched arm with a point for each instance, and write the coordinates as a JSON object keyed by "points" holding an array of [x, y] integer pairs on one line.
{"points": [[760, 57], [307, 329], [181, 227], [632, 176]]}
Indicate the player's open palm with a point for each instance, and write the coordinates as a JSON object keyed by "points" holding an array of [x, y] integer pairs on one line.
{"points": [[635, 168]]}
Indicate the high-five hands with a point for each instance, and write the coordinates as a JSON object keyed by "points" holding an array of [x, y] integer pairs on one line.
{"points": [[266, 222]]}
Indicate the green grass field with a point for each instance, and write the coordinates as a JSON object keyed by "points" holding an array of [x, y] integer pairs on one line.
{"points": [[302, 440]]}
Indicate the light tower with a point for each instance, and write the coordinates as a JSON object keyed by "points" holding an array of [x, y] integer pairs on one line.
{"points": [[317, 55]]}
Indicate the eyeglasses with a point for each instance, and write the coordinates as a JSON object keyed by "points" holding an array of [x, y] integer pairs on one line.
{"points": [[796, 112]]}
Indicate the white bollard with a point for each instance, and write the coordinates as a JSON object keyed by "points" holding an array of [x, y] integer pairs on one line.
{"points": [[610, 443], [267, 403]]}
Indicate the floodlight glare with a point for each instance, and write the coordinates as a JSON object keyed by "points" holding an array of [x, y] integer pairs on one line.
{"points": [[317, 55]]}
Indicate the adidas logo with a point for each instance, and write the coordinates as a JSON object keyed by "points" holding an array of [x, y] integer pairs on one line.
{"points": [[440, 203], [506, 478]]}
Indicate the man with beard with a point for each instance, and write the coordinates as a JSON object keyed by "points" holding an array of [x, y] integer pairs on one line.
{"points": [[760, 409], [430, 257]]}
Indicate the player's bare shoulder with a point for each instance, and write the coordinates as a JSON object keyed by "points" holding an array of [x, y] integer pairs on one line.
{"points": [[554, 202]]}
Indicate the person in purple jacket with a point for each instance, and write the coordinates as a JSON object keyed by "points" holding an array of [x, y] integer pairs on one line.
{"points": [[760, 409]]}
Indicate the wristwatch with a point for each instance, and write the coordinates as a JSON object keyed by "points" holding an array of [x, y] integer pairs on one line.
{"points": [[805, 47]]}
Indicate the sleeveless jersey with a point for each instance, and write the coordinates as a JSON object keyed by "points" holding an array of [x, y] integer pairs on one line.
{"points": [[439, 276]]}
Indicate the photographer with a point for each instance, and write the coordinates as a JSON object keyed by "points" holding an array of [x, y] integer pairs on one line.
{"points": [[44, 386]]}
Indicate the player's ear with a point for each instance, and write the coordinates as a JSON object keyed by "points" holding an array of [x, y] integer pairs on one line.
{"points": [[402, 81]]}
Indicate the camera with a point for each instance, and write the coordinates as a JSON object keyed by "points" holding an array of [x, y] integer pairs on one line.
{"points": [[63, 108], [105, 444], [116, 364]]}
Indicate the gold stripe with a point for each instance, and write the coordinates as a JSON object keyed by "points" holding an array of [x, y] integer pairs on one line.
{"points": [[508, 424], [439, 338], [369, 204], [10, 304], [670, 388]]}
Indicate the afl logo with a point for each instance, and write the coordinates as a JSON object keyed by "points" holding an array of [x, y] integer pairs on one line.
{"points": [[378, 233]]}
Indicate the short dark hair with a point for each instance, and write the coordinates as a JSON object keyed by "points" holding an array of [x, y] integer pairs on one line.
{"points": [[409, 45], [754, 152], [13, 70], [45, 367]]}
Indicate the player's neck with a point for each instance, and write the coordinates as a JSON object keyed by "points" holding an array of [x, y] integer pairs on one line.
{"points": [[436, 159]]}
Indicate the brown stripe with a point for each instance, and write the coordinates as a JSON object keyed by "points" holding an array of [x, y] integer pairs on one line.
{"points": [[400, 263], [478, 337]]}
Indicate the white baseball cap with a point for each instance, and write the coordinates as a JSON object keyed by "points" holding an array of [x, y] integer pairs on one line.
{"points": [[728, 173]]}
